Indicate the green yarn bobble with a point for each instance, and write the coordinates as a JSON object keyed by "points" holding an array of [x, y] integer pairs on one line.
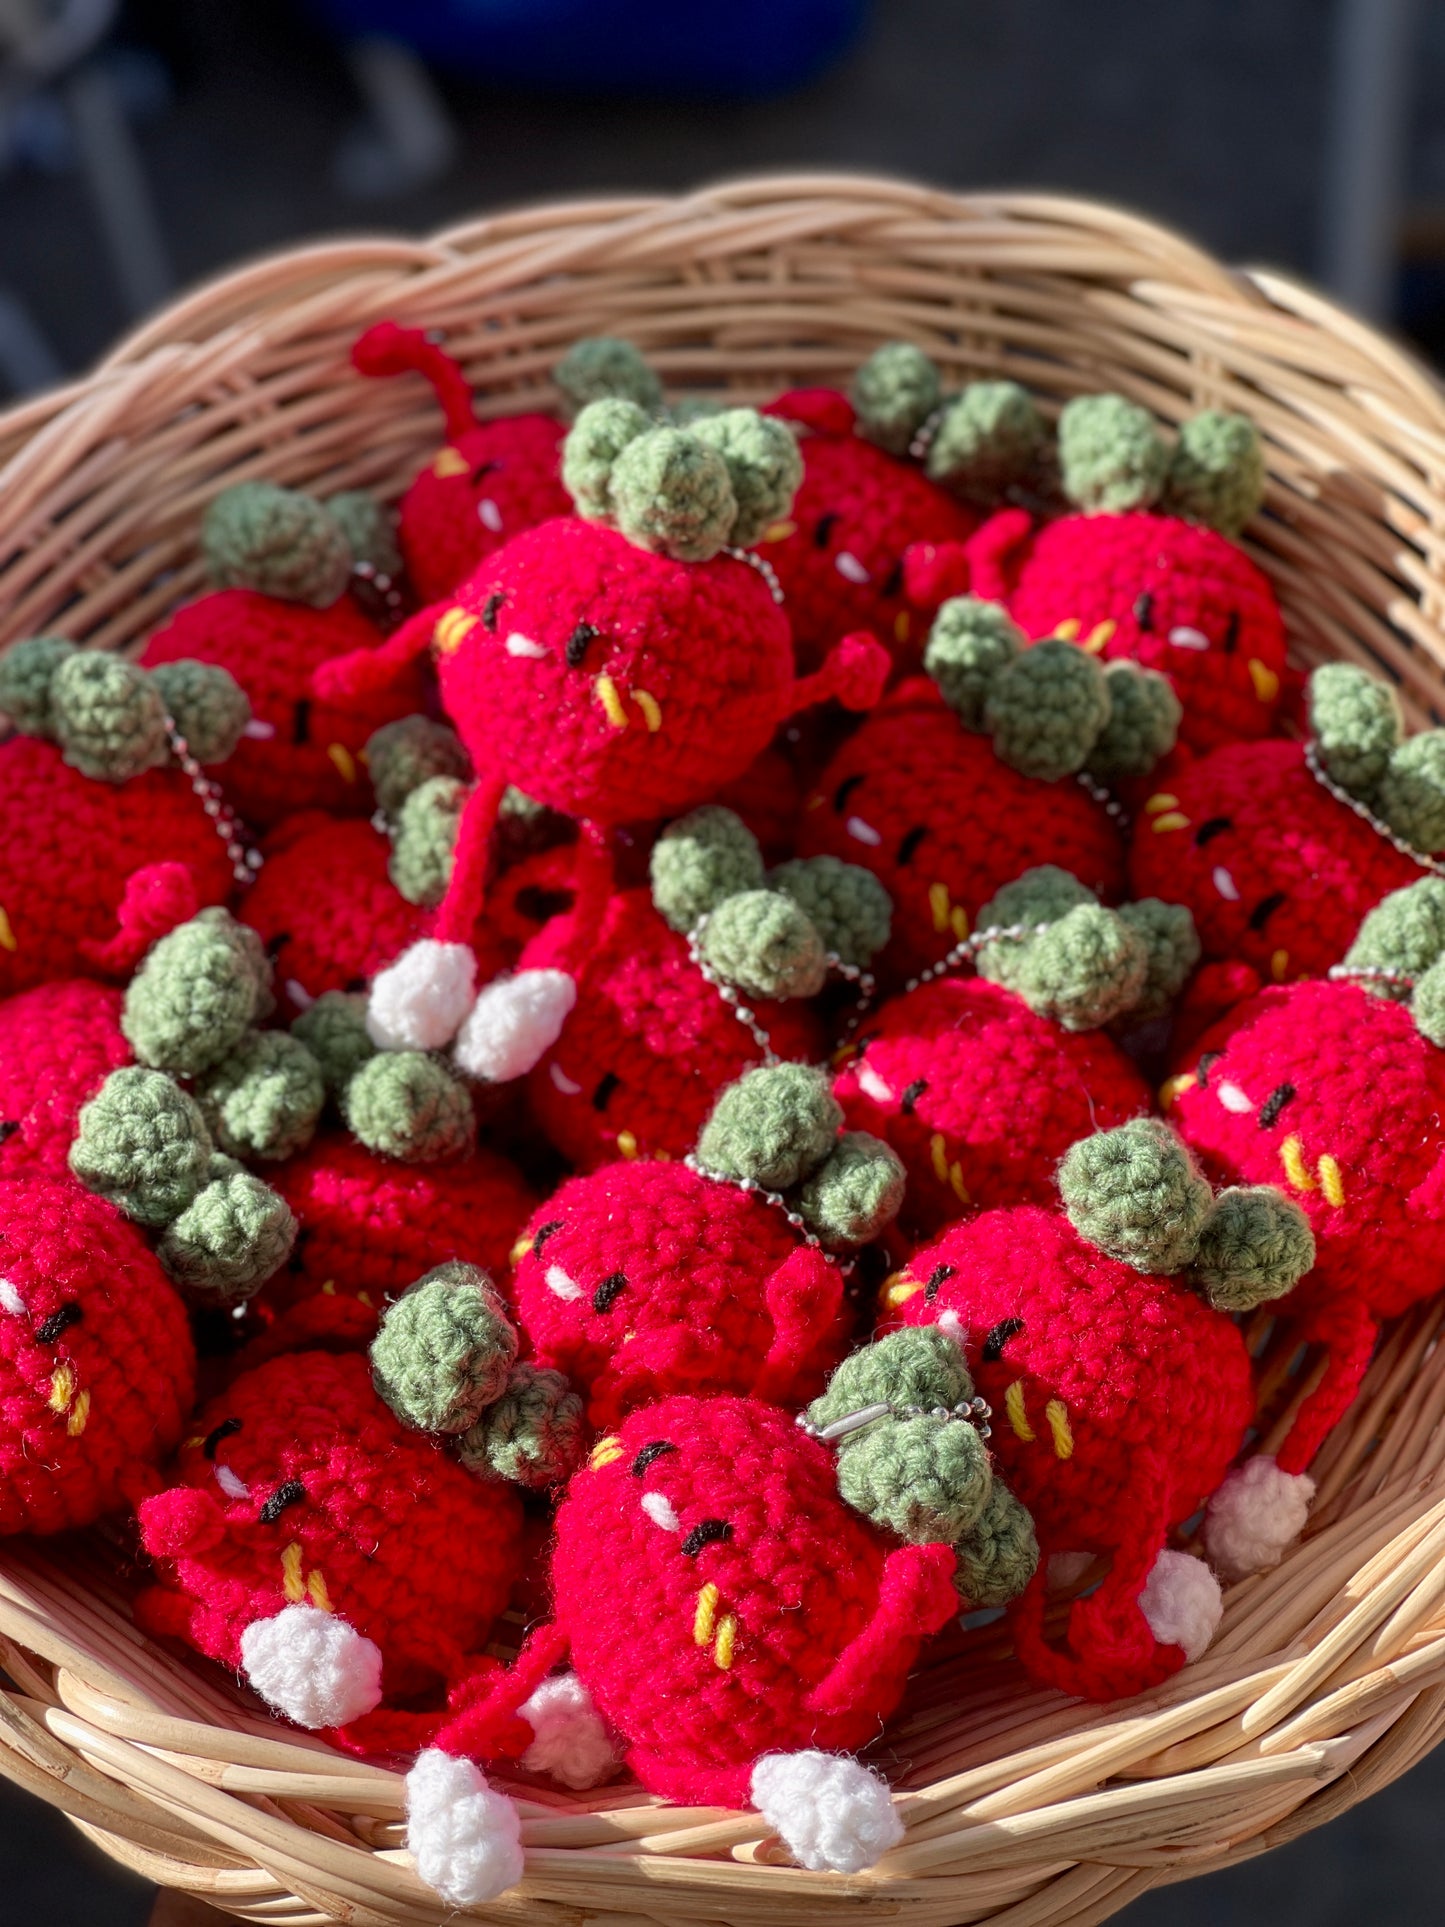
{"points": [[27, 675], [142, 1143], [1041, 895], [424, 839], [763, 463], [265, 1099], [278, 540], [847, 905], [855, 1192], [999, 1554], [989, 439], [1171, 948], [444, 1350], [601, 366], [196, 995], [401, 756], [1411, 796], [1216, 473], [1083, 971], [333, 1029], [969, 646], [1142, 724], [1046, 709], [596, 439], [699, 861], [1134, 1192], [1356, 723], [533, 1436], [1405, 933], [1427, 1006], [234, 1235], [108, 717], [1255, 1246], [1111, 455], [207, 705], [773, 1126], [406, 1105], [672, 493], [762, 942], [894, 392], [369, 529]]}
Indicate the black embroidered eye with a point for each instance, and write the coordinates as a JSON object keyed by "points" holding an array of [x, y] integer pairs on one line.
{"points": [[490, 609], [823, 531], [60, 1320], [893, 581], [1260, 915], [227, 1429], [577, 643], [483, 469], [8, 1127], [1216, 826], [1144, 612], [706, 1533], [292, 1493], [543, 1235], [911, 1096], [1002, 1332], [1205, 1066], [1272, 1106], [301, 721], [649, 1454], [1231, 633], [614, 1283], [910, 843], [275, 945], [845, 789], [601, 1097], [940, 1274]]}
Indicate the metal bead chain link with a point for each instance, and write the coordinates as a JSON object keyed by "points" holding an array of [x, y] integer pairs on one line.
{"points": [[730, 995], [1369, 973], [382, 589], [245, 862], [923, 438], [970, 947], [1365, 813], [867, 989], [1104, 797], [779, 1203], [764, 568]]}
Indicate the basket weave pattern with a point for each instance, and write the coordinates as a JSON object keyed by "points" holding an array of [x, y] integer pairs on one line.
{"points": [[1327, 1679]]}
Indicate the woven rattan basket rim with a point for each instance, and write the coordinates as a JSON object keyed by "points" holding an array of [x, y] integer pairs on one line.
{"points": [[1328, 1677]]}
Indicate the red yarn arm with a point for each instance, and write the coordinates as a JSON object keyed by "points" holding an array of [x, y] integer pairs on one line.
{"points": [[157, 897], [480, 1730], [934, 571], [855, 670], [823, 410], [467, 886], [370, 672], [915, 1598], [567, 942], [1347, 1329], [388, 349], [804, 1298], [994, 550]]}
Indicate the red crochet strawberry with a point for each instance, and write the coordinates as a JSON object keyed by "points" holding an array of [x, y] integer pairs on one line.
{"points": [[58, 1044], [1279, 849], [944, 817], [96, 1365], [321, 1548], [611, 673], [1149, 569], [1120, 1395]]}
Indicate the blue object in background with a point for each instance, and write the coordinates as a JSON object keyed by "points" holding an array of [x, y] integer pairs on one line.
{"points": [[618, 46]]}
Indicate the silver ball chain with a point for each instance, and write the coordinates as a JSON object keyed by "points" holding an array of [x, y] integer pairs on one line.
{"points": [[764, 568], [1370, 973], [245, 862], [968, 1411], [1104, 797], [969, 948], [779, 1203], [1364, 812]]}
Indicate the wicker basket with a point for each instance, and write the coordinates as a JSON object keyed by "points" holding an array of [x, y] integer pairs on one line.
{"points": [[1328, 1677]]}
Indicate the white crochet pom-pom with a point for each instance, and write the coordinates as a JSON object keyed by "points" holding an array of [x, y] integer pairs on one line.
{"points": [[312, 1666], [832, 1814], [1254, 1515], [465, 1837], [571, 1742], [514, 1022], [419, 1002], [1182, 1602]]}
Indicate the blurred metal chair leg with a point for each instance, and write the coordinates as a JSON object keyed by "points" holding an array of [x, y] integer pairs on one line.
{"points": [[1365, 166]]}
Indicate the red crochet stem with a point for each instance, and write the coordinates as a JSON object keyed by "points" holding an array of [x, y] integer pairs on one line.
{"points": [[915, 1598], [992, 549], [467, 889], [477, 1731], [593, 881], [1350, 1333], [388, 349], [366, 672], [855, 670], [823, 410]]}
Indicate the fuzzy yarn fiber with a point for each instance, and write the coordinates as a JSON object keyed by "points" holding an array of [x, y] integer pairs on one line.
{"points": [[491, 483], [58, 1044], [97, 1371]]}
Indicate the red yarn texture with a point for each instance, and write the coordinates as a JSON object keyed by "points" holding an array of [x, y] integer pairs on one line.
{"points": [[1181, 598], [70, 845], [641, 1280], [491, 483], [927, 807], [980, 1096], [813, 1628], [1118, 1402], [97, 1371], [855, 514], [312, 757], [649, 1045], [393, 1535], [1274, 871], [1333, 1095], [369, 1227], [58, 1044]]}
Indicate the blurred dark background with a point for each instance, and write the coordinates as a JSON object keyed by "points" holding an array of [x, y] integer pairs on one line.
{"points": [[143, 145]]}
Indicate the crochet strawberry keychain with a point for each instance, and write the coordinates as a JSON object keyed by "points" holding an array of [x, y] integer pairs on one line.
{"points": [[992, 766], [1148, 568], [290, 573], [1099, 1334], [1335, 1090], [734, 1616], [491, 479], [97, 1370], [615, 666], [1279, 849], [981, 1084], [113, 827], [688, 985]]}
